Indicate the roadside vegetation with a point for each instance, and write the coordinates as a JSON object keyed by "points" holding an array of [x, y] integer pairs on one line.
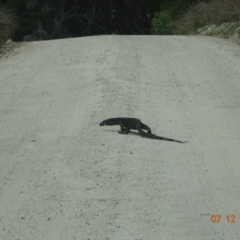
{"points": [[207, 13], [209, 17], [8, 24]]}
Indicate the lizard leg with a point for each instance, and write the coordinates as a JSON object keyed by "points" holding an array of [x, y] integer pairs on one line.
{"points": [[122, 127], [124, 130], [145, 127]]}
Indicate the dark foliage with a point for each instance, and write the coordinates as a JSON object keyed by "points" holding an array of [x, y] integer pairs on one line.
{"points": [[8, 24], [52, 19], [176, 7]]}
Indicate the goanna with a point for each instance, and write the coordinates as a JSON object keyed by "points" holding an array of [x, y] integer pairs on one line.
{"points": [[126, 124]]}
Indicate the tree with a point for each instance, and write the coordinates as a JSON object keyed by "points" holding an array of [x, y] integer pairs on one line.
{"points": [[65, 18]]}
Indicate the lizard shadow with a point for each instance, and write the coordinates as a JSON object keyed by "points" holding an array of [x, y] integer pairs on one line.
{"points": [[159, 137], [134, 133]]}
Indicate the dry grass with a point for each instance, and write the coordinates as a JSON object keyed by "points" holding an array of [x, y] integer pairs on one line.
{"points": [[8, 24], [206, 13]]}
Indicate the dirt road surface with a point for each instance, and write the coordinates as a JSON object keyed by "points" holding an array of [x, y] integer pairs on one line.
{"points": [[64, 177]]}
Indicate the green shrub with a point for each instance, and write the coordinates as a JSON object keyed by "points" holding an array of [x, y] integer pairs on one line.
{"points": [[29, 16], [238, 31], [8, 24], [207, 13], [176, 7], [162, 23]]}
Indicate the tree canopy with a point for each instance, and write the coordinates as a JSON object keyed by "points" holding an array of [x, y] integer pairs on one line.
{"points": [[68, 18]]}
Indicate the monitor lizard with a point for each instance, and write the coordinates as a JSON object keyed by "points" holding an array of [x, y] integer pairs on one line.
{"points": [[126, 124]]}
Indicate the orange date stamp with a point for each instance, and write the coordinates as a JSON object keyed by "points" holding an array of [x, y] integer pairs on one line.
{"points": [[216, 218]]}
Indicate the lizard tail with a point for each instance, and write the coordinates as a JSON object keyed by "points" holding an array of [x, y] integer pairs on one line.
{"points": [[153, 136]]}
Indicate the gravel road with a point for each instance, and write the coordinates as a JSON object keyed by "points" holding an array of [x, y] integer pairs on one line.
{"points": [[64, 177]]}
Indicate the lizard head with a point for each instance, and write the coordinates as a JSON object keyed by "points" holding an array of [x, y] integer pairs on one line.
{"points": [[102, 123]]}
